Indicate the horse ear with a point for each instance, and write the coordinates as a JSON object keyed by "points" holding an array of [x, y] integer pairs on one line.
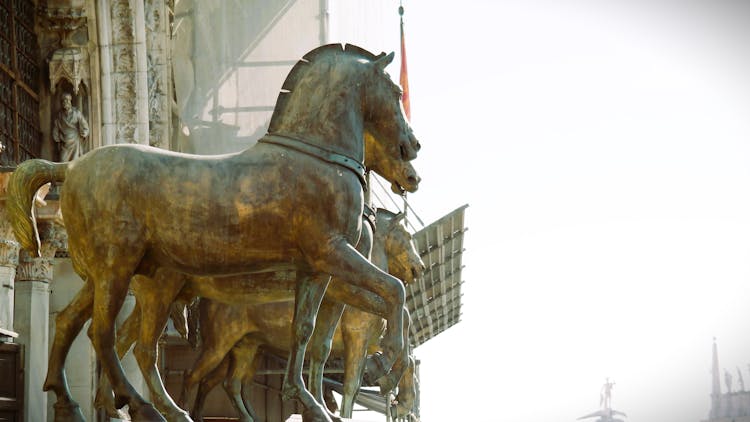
{"points": [[384, 61], [398, 218]]}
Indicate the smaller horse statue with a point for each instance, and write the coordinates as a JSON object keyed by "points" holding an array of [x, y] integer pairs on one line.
{"points": [[235, 333], [147, 320]]}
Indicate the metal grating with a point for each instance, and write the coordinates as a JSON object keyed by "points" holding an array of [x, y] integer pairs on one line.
{"points": [[20, 71], [434, 300]]}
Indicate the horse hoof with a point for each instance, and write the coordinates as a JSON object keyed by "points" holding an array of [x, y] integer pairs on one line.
{"points": [[390, 381], [315, 414], [179, 416], [375, 368], [68, 412], [146, 413]]}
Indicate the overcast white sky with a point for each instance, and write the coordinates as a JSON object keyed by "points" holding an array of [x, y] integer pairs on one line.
{"points": [[603, 147]]}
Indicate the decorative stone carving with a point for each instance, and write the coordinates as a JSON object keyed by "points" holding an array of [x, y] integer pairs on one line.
{"points": [[159, 111], [9, 253], [64, 20], [34, 269], [124, 70], [69, 64], [54, 238], [123, 28]]}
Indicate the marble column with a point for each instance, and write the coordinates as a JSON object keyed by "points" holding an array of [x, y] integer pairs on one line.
{"points": [[31, 318], [8, 261]]}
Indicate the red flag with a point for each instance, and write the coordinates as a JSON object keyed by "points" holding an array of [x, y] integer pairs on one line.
{"points": [[404, 78]]}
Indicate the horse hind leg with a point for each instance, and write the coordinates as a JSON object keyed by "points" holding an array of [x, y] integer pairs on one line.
{"points": [[127, 334], [207, 384], [320, 344], [215, 347], [68, 324], [243, 366], [155, 307], [247, 384], [110, 289]]}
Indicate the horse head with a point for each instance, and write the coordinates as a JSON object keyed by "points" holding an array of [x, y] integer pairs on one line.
{"points": [[400, 173], [403, 259], [384, 112], [356, 114]]}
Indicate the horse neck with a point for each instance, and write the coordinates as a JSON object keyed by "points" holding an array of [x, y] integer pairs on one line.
{"points": [[334, 121], [379, 254]]}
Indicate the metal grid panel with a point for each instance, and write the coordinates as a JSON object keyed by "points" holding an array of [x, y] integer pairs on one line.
{"points": [[434, 300]]}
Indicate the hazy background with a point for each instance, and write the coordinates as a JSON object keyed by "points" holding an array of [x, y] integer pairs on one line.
{"points": [[603, 148]]}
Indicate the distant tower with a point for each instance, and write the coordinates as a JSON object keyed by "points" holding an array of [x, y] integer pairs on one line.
{"points": [[715, 385], [728, 405]]}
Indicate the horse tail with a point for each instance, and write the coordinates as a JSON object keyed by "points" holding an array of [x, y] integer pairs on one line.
{"points": [[22, 186]]}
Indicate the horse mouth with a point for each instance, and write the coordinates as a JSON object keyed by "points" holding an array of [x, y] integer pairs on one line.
{"points": [[411, 185], [397, 188]]}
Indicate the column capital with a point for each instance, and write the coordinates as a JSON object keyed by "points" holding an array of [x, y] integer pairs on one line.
{"points": [[54, 238]]}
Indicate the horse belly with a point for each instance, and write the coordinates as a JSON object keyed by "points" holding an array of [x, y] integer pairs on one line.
{"points": [[246, 289]]}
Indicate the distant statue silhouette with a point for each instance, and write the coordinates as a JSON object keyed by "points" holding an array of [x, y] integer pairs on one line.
{"points": [[605, 397], [728, 380], [740, 380]]}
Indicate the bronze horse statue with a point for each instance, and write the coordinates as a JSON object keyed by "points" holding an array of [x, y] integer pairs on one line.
{"points": [[293, 201], [232, 334]]}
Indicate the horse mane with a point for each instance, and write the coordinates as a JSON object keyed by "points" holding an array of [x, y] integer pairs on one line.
{"points": [[301, 70], [383, 215]]}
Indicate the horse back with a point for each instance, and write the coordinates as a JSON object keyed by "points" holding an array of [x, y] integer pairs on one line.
{"points": [[210, 214]]}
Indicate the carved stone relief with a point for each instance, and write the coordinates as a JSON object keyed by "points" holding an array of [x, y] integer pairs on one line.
{"points": [[124, 70], [159, 114], [9, 253]]}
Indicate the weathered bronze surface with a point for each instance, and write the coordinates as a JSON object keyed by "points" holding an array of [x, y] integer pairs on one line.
{"points": [[130, 210], [232, 334]]}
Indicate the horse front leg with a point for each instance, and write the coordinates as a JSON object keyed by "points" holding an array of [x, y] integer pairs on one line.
{"points": [[308, 295], [391, 380], [68, 324], [321, 341], [387, 295]]}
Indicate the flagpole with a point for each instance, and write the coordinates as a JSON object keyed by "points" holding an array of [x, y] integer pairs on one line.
{"points": [[403, 78]]}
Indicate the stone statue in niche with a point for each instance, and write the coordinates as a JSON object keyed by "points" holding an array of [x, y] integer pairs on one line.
{"points": [[70, 130]]}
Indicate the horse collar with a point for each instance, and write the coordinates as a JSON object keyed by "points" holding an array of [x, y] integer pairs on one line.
{"points": [[320, 153]]}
